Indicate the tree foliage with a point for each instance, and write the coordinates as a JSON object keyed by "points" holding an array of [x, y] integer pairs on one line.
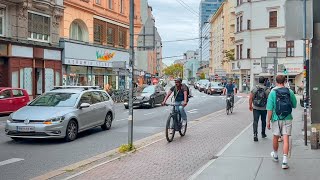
{"points": [[229, 55], [175, 70], [202, 76]]}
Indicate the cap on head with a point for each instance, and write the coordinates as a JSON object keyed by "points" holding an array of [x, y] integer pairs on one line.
{"points": [[178, 80]]}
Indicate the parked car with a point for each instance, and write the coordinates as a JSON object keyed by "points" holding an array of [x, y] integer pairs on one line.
{"points": [[202, 85], [215, 88], [62, 113], [149, 96], [12, 99]]}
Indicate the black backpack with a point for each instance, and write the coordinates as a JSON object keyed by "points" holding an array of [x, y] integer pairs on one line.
{"points": [[260, 98], [283, 103]]}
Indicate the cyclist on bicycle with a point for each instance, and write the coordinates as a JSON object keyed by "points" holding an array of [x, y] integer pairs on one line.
{"points": [[230, 90], [180, 97]]}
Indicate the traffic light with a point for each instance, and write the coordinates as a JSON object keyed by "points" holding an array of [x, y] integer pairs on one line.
{"points": [[285, 71]]}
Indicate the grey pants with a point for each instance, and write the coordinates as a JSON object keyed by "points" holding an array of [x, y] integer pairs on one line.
{"points": [[256, 117]]}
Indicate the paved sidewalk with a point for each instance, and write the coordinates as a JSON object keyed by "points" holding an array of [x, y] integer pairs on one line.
{"points": [[181, 158], [248, 160]]}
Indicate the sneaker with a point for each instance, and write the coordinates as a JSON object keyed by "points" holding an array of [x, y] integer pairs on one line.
{"points": [[274, 157], [255, 138], [285, 166], [280, 139], [263, 135]]}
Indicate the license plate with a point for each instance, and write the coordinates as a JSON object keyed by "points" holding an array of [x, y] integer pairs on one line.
{"points": [[218, 90], [25, 129]]}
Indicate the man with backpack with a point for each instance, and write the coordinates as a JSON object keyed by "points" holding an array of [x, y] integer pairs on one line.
{"points": [[257, 103], [181, 97], [280, 103]]}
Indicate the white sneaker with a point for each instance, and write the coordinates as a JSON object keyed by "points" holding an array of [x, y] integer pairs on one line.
{"points": [[274, 157], [285, 165]]}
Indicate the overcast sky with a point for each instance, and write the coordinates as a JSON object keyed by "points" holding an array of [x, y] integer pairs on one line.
{"points": [[176, 22]]}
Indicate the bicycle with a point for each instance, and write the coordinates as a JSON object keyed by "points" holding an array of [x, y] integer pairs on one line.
{"points": [[229, 107], [174, 123]]}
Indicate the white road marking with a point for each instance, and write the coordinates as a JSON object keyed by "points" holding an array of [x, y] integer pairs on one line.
{"points": [[122, 120], [9, 161], [203, 96], [193, 110], [149, 113]]}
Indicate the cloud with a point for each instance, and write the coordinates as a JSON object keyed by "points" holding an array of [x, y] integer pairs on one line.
{"points": [[175, 22]]}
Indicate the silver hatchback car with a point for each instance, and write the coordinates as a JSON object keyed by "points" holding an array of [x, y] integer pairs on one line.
{"points": [[62, 113]]}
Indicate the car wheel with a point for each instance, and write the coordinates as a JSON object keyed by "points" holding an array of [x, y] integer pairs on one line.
{"points": [[107, 122], [72, 131], [152, 103]]}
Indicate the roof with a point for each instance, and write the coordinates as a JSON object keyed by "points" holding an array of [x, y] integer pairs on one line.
{"points": [[74, 90]]}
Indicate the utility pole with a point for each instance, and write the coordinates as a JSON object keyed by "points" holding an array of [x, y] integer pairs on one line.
{"points": [[304, 73], [131, 75]]}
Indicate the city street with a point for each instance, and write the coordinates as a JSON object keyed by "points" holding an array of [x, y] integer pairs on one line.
{"points": [[36, 157]]}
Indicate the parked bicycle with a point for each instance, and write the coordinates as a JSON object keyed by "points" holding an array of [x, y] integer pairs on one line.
{"points": [[175, 123], [229, 107]]}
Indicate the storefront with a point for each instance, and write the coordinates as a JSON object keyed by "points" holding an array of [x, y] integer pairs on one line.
{"points": [[36, 69], [94, 65]]}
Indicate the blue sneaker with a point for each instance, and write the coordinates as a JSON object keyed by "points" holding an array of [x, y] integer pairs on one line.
{"points": [[274, 157]]}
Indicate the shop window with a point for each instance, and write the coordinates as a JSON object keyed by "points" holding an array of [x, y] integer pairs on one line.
{"points": [[111, 36], [38, 27], [26, 80], [121, 6], [15, 79], [49, 79], [2, 21], [58, 78]]}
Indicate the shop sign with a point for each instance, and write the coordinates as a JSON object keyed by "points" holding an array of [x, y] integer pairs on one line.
{"points": [[148, 75], [91, 55], [52, 54], [22, 51], [3, 50]]}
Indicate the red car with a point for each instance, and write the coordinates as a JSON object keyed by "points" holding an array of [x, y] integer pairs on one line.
{"points": [[12, 99]]}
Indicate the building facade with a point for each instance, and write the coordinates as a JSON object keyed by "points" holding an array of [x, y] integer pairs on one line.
{"points": [[95, 38], [261, 26], [30, 56], [206, 9], [223, 41], [191, 64]]}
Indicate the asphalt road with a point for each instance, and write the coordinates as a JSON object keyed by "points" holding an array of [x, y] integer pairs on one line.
{"points": [[31, 158]]}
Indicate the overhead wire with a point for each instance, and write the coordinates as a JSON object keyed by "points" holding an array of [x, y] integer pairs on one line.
{"points": [[188, 8]]}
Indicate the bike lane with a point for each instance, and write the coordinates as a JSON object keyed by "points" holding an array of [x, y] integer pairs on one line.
{"points": [[183, 156]]}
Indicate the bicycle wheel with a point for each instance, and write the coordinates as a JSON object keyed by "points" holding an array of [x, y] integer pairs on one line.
{"points": [[231, 109], [170, 131], [228, 108], [184, 125]]}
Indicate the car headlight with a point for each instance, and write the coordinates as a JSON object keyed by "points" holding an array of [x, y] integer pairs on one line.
{"points": [[9, 120], [54, 120]]}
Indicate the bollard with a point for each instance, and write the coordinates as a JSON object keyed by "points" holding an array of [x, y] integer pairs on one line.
{"points": [[314, 139]]}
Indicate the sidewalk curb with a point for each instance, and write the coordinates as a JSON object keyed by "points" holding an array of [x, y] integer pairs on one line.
{"points": [[140, 144], [196, 174]]}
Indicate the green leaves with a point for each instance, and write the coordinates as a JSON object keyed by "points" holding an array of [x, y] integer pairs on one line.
{"points": [[175, 70]]}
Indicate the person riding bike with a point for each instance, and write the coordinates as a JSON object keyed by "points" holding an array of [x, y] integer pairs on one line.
{"points": [[230, 90], [180, 97]]}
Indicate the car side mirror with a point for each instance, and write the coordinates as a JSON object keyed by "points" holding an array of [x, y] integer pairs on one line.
{"points": [[1, 97], [84, 105]]}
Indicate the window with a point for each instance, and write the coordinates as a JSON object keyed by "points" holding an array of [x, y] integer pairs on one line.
{"points": [[17, 93], [273, 19], [2, 22], [290, 48], [241, 20], [76, 31], [122, 38], [96, 98], [238, 24], [240, 51], [97, 36], [248, 53], [273, 44], [105, 96], [249, 24], [233, 66], [110, 4], [5, 94], [38, 27], [98, 2], [85, 98], [121, 6], [111, 36]]}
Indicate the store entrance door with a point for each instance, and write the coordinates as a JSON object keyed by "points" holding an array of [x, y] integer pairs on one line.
{"points": [[39, 81]]}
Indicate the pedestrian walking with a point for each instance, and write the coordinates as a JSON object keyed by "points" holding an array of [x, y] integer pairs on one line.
{"points": [[280, 103], [257, 103]]}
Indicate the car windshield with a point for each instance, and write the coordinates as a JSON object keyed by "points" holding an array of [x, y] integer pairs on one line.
{"points": [[215, 84], [56, 100], [148, 89]]}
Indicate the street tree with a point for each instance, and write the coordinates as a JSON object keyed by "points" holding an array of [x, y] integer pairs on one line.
{"points": [[175, 70], [202, 76]]}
